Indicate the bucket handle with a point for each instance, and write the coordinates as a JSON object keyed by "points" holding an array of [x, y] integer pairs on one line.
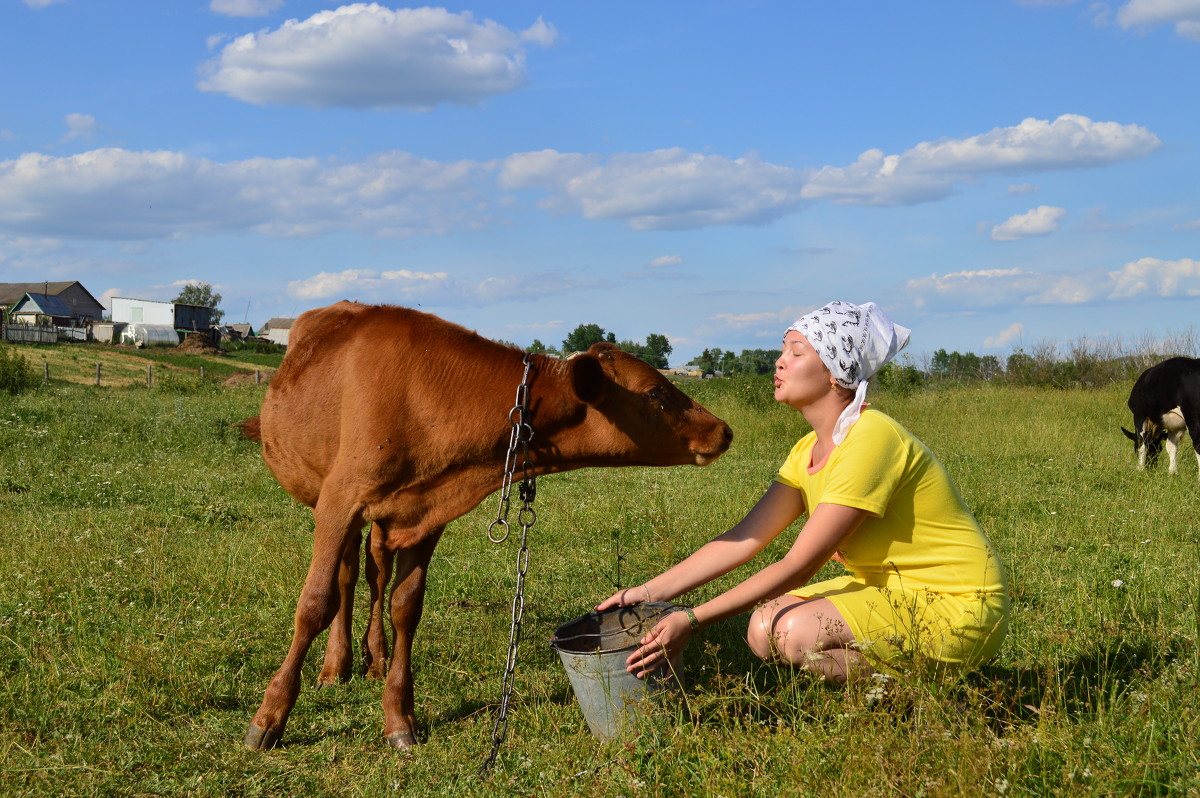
{"points": [[623, 630]]}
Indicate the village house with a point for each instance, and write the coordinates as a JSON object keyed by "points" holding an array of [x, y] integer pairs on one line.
{"points": [[78, 301], [277, 331]]}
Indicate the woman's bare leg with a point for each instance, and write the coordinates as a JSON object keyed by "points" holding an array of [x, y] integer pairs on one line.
{"points": [[809, 634]]}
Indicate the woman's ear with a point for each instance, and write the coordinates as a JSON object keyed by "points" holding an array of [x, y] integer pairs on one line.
{"points": [[587, 378]]}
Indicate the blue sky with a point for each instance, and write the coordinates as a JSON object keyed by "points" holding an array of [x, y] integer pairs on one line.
{"points": [[995, 173]]}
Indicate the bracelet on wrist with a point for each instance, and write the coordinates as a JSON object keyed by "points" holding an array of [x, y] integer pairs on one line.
{"points": [[691, 616]]}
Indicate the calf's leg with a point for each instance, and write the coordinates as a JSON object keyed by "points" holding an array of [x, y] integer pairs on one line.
{"points": [[338, 653], [1172, 444], [408, 596], [316, 609], [379, 575]]}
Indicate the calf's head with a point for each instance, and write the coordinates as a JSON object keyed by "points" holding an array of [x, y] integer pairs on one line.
{"points": [[1150, 438], [643, 418]]}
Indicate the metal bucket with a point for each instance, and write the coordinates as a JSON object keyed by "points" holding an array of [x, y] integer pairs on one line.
{"points": [[593, 649]]}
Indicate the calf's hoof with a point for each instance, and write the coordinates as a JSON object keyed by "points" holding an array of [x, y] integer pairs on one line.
{"points": [[260, 739], [402, 740]]}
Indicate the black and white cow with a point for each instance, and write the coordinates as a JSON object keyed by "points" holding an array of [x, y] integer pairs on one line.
{"points": [[1165, 402]]}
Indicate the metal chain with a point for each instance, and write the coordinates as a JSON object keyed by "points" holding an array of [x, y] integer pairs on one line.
{"points": [[518, 441]]}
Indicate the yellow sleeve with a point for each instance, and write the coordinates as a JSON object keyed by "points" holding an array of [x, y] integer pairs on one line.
{"points": [[867, 469]]}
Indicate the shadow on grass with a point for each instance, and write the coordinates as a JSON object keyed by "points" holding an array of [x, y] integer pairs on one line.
{"points": [[727, 679]]}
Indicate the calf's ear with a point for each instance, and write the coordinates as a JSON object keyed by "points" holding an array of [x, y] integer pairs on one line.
{"points": [[1131, 436], [587, 378]]}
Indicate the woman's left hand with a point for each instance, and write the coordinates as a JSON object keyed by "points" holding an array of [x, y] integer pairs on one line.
{"points": [[662, 645]]}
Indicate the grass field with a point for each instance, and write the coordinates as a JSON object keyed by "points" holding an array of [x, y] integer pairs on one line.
{"points": [[150, 570]]}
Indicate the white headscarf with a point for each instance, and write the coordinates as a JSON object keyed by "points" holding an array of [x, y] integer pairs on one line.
{"points": [[854, 342]]}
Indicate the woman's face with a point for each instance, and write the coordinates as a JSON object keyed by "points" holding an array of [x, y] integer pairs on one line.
{"points": [[800, 376]]}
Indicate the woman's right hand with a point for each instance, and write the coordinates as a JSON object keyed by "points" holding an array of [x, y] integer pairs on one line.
{"points": [[625, 598]]}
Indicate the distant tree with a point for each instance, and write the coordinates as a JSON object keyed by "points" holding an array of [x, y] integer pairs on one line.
{"points": [[709, 360], [583, 336], [201, 294], [757, 361], [656, 350], [536, 347], [939, 365], [1020, 368]]}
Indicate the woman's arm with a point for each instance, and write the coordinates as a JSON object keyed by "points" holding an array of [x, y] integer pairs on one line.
{"points": [[778, 508], [826, 529]]}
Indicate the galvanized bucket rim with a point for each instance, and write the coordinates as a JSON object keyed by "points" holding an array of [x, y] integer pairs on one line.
{"points": [[659, 609]]}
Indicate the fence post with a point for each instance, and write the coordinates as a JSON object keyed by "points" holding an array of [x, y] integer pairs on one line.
{"points": [[257, 377], [97, 375], [46, 372], [202, 374], [150, 375]]}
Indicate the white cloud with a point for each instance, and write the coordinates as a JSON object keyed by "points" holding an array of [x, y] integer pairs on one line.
{"points": [[1184, 14], [120, 194], [368, 281], [931, 170], [244, 8], [405, 286], [368, 56], [1151, 277], [1194, 224], [1041, 221], [1014, 331], [967, 291], [79, 126], [41, 3], [540, 32], [1022, 189], [665, 262], [669, 189], [743, 320]]}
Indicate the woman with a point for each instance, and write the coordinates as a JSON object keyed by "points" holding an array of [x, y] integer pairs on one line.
{"points": [[924, 581]]}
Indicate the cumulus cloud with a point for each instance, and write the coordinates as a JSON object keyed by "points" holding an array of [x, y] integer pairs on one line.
{"points": [[406, 286], [244, 8], [1183, 14], [932, 170], [119, 194], [1041, 221], [354, 281], [669, 189], [367, 56], [1151, 277], [992, 289], [665, 262], [1014, 331], [79, 126], [739, 321]]}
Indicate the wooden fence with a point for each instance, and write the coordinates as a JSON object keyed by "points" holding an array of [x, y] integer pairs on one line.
{"points": [[29, 334], [258, 375]]}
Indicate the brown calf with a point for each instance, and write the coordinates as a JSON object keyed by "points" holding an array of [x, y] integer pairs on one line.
{"points": [[399, 419]]}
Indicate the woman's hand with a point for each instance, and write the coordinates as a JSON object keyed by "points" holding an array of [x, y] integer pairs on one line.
{"points": [[625, 598], [662, 645]]}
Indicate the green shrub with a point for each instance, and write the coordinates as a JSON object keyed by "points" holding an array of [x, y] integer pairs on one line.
{"points": [[16, 375]]}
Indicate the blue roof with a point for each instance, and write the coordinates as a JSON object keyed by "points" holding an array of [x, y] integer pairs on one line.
{"points": [[45, 304]]}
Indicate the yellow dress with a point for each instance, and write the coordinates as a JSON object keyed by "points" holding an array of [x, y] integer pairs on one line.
{"points": [[925, 581]]}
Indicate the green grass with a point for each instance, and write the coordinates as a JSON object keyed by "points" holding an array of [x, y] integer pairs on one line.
{"points": [[151, 568]]}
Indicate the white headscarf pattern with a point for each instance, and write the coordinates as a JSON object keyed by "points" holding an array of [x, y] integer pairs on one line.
{"points": [[854, 342]]}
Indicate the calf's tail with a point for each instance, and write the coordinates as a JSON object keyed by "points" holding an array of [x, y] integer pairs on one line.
{"points": [[251, 428]]}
